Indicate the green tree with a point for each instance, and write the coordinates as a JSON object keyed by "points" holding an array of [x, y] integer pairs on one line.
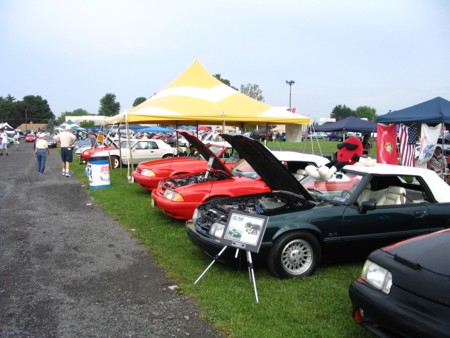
{"points": [[37, 109], [342, 111], [138, 101], [108, 105], [225, 81], [50, 126], [253, 91], [366, 112], [87, 124]]}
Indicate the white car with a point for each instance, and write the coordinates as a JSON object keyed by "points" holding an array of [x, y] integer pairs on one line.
{"points": [[136, 151]]}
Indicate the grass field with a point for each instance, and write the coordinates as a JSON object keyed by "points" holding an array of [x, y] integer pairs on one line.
{"points": [[316, 306]]}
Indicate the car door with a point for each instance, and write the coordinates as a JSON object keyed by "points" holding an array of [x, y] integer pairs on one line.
{"points": [[144, 150]]}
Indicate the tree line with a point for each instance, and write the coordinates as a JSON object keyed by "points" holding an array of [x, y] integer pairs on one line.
{"points": [[35, 109]]}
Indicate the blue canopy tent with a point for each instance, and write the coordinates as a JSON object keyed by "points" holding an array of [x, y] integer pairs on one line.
{"points": [[436, 110], [350, 123], [154, 129]]}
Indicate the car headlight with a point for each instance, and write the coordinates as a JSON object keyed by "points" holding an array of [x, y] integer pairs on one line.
{"points": [[377, 276], [195, 215], [217, 229], [148, 173], [173, 195]]}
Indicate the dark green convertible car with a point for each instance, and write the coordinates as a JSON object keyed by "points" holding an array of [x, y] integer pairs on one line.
{"points": [[358, 210]]}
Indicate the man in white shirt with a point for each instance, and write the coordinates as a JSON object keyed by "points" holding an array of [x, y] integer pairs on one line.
{"points": [[66, 139], [4, 142]]}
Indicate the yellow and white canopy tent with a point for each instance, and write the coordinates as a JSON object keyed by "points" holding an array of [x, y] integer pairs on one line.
{"points": [[198, 97]]}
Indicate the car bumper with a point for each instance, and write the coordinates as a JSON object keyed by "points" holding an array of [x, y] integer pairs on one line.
{"points": [[177, 210], [148, 183], [399, 313]]}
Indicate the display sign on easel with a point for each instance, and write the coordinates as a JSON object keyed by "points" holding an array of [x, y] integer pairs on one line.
{"points": [[243, 231]]}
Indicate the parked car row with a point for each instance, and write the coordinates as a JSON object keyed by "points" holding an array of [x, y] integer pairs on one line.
{"points": [[403, 289]]}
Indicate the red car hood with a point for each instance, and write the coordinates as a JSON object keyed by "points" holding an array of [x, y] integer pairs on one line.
{"points": [[205, 152]]}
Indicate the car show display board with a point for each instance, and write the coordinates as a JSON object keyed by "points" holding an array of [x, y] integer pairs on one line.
{"points": [[243, 231]]}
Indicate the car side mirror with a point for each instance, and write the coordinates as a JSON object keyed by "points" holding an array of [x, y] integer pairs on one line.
{"points": [[366, 206]]}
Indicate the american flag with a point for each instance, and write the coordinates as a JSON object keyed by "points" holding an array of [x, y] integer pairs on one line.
{"points": [[408, 136]]}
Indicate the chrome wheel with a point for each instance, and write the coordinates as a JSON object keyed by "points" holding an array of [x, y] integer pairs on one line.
{"points": [[297, 257]]}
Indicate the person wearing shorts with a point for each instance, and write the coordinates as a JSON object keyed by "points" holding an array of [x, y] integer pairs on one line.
{"points": [[66, 138], [4, 142]]}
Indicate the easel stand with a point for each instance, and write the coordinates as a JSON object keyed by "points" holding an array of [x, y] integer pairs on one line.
{"points": [[250, 269]]}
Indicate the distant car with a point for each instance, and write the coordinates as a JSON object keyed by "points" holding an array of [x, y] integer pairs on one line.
{"points": [[404, 289], [30, 137], [149, 173], [135, 151], [50, 141], [317, 136], [261, 134], [358, 210]]}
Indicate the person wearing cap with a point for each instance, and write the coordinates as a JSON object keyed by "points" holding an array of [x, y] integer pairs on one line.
{"points": [[438, 163], [66, 139], [41, 152]]}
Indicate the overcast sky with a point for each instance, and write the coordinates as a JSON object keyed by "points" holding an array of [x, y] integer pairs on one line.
{"points": [[386, 54]]}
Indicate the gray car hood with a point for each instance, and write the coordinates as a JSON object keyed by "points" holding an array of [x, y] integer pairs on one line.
{"points": [[271, 170], [204, 150]]}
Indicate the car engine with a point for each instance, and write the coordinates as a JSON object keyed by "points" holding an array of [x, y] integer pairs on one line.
{"points": [[183, 180]]}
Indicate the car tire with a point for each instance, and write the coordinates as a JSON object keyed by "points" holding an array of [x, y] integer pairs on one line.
{"points": [[294, 255], [115, 162]]}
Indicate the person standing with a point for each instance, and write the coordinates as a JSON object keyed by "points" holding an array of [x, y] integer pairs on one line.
{"points": [[16, 139], [366, 145], [41, 152], [4, 142], [66, 139], [437, 162]]}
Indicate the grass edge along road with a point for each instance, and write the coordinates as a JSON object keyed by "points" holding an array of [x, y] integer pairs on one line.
{"points": [[316, 306]]}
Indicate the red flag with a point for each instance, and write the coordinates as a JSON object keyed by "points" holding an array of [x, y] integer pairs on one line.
{"points": [[387, 144]]}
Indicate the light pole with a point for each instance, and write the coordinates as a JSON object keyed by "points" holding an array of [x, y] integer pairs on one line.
{"points": [[290, 83]]}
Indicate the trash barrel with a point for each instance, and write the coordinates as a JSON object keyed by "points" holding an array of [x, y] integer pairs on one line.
{"points": [[97, 170]]}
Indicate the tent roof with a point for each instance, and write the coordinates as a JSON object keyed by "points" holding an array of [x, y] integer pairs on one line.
{"points": [[436, 110], [350, 123], [198, 97]]}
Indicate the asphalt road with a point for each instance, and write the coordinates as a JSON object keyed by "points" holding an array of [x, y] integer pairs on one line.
{"points": [[68, 270]]}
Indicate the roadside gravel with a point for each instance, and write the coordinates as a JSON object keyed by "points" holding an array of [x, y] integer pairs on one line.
{"points": [[68, 270]]}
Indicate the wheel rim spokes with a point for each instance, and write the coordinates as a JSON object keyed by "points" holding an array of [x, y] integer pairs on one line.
{"points": [[297, 257]]}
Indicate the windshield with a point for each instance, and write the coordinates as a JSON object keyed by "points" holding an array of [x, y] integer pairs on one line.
{"points": [[242, 168], [339, 188]]}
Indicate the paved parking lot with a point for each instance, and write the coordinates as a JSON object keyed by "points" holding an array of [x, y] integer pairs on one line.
{"points": [[69, 270]]}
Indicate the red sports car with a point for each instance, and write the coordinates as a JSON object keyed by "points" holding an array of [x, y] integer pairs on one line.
{"points": [[30, 137], [178, 196], [149, 173]]}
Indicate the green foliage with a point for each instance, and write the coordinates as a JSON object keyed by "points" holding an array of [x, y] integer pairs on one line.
{"points": [[108, 105], [342, 111], [253, 91], [87, 124], [32, 108], [366, 112], [139, 100], [316, 306], [225, 81]]}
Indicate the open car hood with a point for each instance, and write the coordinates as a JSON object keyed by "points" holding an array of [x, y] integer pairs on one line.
{"points": [[272, 171], [205, 152]]}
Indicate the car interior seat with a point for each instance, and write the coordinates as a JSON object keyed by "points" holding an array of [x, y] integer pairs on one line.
{"points": [[393, 196], [366, 195]]}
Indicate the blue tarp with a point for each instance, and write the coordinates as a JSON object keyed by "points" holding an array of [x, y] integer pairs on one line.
{"points": [[154, 129], [436, 110], [350, 123]]}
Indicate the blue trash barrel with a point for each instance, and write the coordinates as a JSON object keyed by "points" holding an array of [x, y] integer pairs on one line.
{"points": [[97, 170]]}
